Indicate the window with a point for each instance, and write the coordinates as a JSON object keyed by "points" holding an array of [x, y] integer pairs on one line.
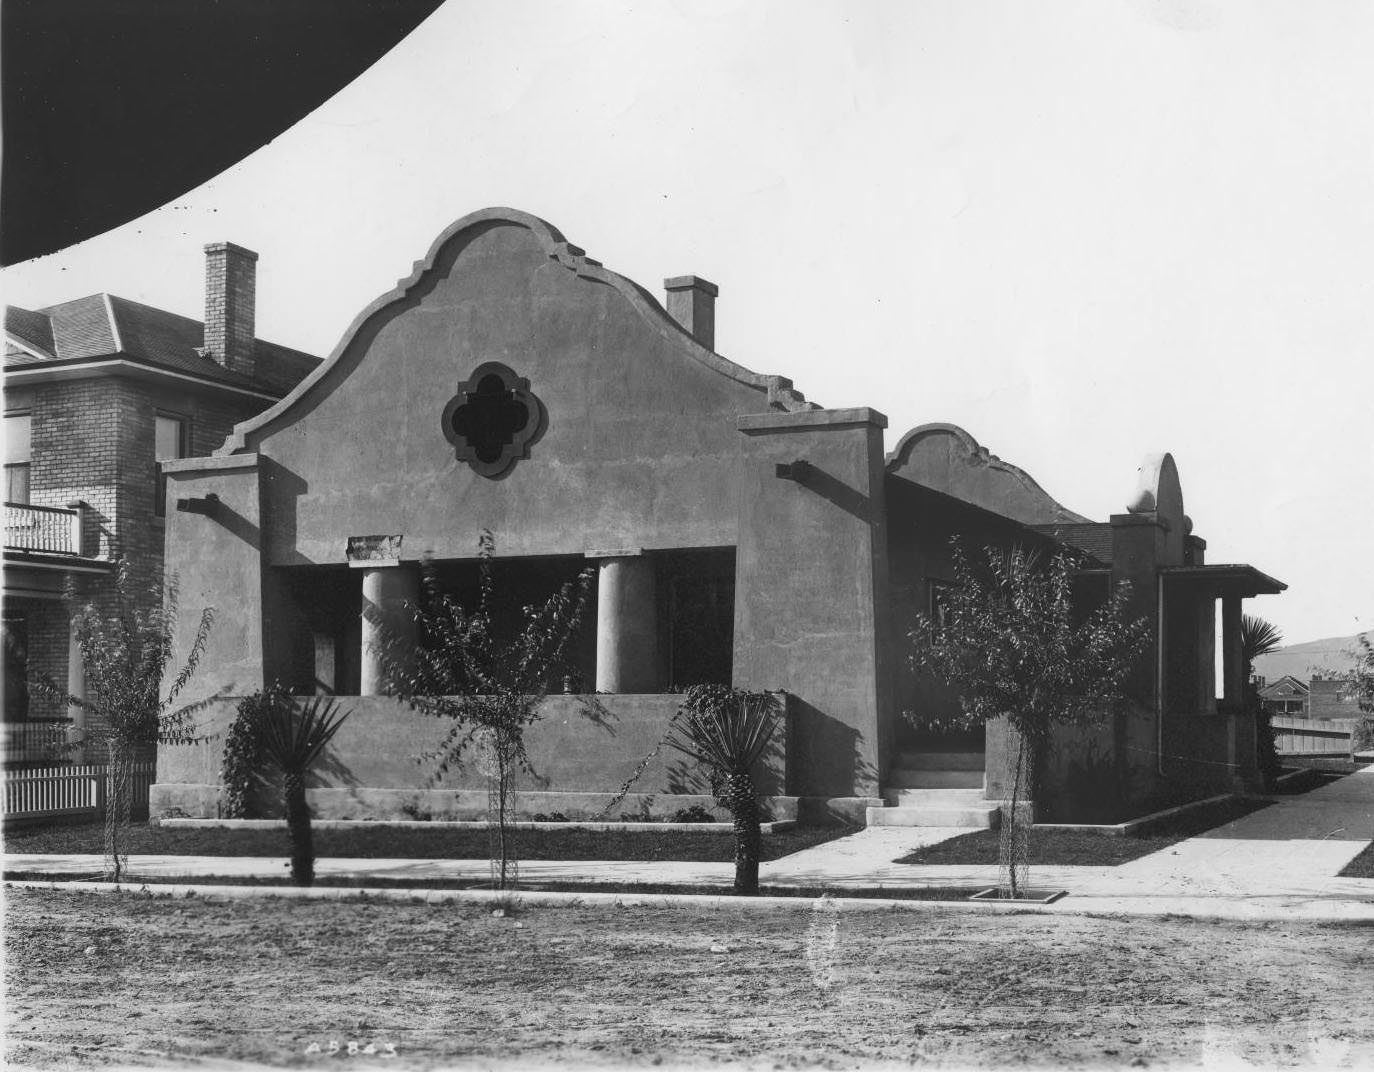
{"points": [[18, 449], [169, 442], [938, 610]]}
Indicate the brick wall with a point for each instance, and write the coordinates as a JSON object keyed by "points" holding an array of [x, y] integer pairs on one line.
{"points": [[93, 440], [1332, 698]]}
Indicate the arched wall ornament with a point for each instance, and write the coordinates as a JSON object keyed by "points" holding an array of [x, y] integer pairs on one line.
{"points": [[493, 420]]}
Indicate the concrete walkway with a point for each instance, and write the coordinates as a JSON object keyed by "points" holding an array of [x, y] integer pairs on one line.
{"points": [[1269, 864]]}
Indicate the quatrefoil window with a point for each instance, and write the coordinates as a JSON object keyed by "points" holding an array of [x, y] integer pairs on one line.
{"points": [[493, 420]]}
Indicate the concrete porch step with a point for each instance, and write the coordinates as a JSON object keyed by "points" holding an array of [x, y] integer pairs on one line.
{"points": [[907, 778], [936, 807], [911, 759], [934, 798], [984, 817]]}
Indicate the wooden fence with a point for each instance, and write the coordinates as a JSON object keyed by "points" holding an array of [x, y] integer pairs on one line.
{"points": [[1312, 736], [70, 792]]}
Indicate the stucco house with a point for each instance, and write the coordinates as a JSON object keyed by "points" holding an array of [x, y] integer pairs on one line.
{"points": [[739, 533], [99, 392]]}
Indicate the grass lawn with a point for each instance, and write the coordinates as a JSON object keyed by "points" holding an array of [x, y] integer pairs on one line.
{"points": [[135, 981], [420, 844], [1070, 847]]}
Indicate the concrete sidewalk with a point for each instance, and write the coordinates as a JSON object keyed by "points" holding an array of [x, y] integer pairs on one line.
{"points": [[1275, 860]]}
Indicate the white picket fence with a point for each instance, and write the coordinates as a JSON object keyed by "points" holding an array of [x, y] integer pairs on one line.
{"points": [[69, 792]]}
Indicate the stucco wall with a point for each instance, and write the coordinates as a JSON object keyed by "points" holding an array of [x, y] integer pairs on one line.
{"points": [[215, 559], [811, 590], [640, 449], [582, 749]]}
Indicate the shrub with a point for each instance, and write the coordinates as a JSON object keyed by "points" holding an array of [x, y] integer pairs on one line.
{"points": [[240, 773], [695, 814]]}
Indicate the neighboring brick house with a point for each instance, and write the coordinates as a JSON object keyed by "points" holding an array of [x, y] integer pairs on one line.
{"points": [[99, 392], [1286, 696], [1333, 697]]}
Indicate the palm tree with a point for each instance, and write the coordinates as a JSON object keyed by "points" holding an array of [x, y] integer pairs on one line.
{"points": [[727, 730], [292, 739], [1257, 637]]}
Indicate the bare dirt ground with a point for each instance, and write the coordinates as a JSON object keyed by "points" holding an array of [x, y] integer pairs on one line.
{"points": [[129, 980]]}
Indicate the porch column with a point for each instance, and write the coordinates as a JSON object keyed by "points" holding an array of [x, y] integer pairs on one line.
{"points": [[626, 622], [386, 590], [1233, 687], [76, 686]]}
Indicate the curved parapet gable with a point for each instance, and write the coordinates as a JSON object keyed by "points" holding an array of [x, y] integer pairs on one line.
{"points": [[777, 390], [948, 459]]}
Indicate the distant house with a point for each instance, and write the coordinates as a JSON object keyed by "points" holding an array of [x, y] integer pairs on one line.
{"points": [[100, 392], [1286, 696]]}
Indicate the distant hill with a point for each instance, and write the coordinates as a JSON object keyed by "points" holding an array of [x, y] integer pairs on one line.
{"points": [[1323, 657]]}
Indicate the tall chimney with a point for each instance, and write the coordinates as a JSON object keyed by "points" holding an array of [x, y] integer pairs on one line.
{"points": [[230, 292], [692, 303]]}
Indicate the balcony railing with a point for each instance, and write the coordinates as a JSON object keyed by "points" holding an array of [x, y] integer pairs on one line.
{"points": [[49, 529], [35, 741]]}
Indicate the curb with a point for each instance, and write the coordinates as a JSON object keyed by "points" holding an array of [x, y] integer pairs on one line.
{"points": [[464, 824], [1255, 910]]}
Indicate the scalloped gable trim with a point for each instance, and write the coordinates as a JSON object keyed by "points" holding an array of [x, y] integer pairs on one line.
{"points": [[901, 454], [778, 389]]}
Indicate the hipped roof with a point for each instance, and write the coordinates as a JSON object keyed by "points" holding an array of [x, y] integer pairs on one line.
{"points": [[105, 326]]}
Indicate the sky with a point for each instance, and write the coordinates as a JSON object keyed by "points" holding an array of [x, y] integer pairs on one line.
{"points": [[1083, 231]]}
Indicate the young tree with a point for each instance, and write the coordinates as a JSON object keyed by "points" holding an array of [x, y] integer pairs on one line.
{"points": [[126, 635], [1010, 641], [1364, 674], [1362, 738], [487, 685], [727, 731], [292, 735]]}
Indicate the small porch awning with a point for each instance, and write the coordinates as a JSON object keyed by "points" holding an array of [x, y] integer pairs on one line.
{"points": [[1226, 580]]}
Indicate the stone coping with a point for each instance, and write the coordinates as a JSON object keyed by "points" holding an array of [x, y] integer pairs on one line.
{"points": [[462, 824], [210, 463], [810, 418]]}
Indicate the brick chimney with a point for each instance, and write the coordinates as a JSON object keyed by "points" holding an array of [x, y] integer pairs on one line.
{"points": [[230, 291], [692, 303]]}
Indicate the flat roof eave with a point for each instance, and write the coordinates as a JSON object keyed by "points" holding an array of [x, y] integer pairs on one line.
{"points": [[1233, 580]]}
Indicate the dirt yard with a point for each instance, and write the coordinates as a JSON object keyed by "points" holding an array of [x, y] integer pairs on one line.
{"points": [[130, 980]]}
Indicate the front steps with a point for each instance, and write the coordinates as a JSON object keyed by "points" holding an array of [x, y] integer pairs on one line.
{"points": [[936, 789]]}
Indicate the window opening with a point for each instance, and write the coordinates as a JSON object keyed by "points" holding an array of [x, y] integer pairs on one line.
{"points": [[18, 455], [169, 443]]}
